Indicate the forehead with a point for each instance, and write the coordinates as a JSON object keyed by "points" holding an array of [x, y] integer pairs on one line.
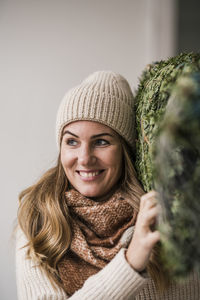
{"points": [[90, 127]]}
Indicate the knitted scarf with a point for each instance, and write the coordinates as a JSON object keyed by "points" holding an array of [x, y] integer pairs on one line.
{"points": [[97, 228]]}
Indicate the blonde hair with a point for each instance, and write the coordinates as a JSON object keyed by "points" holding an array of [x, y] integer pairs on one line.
{"points": [[44, 218]]}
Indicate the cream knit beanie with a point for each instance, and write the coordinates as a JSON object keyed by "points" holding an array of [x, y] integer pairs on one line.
{"points": [[104, 97]]}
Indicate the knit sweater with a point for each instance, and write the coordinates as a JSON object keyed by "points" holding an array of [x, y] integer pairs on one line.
{"points": [[116, 281]]}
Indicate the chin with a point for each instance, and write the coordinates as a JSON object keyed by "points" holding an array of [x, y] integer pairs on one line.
{"points": [[90, 193]]}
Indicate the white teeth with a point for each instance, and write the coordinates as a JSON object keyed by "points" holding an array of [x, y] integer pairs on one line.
{"points": [[88, 175]]}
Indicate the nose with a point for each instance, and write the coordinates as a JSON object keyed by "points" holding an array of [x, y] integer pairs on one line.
{"points": [[86, 156]]}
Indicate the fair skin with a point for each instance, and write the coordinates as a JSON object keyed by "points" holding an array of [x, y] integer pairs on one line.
{"points": [[91, 155], [144, 238]]}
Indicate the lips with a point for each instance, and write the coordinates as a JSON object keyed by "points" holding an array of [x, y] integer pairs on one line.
{"points": [[89, 174]]}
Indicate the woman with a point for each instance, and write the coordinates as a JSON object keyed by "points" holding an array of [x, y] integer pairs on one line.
{"points": [[80, 234]]}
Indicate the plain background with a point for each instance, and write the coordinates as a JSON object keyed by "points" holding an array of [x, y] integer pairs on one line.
{"points": [[47, 47]]}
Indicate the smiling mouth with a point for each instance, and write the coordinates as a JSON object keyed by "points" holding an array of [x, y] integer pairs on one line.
{"points": [[89, 174]]}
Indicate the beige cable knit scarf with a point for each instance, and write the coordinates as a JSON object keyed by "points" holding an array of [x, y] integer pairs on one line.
{"points": [[96, 231]]}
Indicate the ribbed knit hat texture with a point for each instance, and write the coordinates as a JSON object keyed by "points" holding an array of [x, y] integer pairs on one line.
{"points": [[104, 97]]}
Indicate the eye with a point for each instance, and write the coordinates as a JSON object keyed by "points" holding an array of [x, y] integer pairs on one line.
{"points": [[71, 142], [101, 142]]}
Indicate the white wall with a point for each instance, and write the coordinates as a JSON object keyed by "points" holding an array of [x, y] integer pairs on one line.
{"points": [[46, 48]]}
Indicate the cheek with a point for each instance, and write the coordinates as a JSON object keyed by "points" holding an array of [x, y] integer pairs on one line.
{"points": [[115, 161], [67, 159]]}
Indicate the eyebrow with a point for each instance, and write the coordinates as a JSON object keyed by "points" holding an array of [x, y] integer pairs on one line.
{"points": [[93, 136]]}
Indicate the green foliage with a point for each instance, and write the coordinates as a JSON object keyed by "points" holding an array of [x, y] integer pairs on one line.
{"points": [[177, 176], [168, 154], [156, 84]]}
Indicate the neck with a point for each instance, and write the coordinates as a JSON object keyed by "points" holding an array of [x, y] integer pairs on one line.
{"points": [[105, 196]]}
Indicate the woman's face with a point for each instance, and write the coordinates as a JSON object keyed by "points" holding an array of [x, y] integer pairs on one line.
{"points": [[91, 155]]}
